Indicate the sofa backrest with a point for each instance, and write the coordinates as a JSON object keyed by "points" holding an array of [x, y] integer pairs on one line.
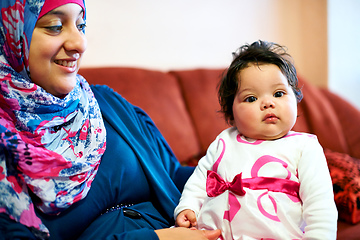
{"points": [[184, 106], [199, 87], [157, 93]]}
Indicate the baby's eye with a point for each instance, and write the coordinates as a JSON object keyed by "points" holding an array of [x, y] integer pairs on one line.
{"points": [[81, 27], [279, 94], [250, 99]]}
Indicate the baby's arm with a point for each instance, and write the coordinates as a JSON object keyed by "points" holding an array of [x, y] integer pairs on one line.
{"points": [[194, 193], [316, 192], [186, 218]]}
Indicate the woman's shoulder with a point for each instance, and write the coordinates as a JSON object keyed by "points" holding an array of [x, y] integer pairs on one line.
{"points": [[103, 89], [106, 96]]}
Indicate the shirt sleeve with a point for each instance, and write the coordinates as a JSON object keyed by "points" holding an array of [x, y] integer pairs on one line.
{"points": [[316, 192], [194, 193], [179, 174], [135, 235]]}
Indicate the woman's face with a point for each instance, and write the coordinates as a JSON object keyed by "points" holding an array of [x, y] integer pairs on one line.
{"points": [[57, 46]]}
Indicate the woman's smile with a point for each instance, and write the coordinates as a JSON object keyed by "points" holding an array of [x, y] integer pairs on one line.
{"points": [[59, 35], [69, 66], [65, 63]]}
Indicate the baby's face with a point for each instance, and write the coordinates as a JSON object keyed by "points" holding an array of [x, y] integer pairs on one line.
{"points": [[265, 105]]}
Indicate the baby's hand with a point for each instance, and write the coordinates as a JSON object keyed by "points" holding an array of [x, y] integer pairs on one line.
{"points": [[186, 218]]}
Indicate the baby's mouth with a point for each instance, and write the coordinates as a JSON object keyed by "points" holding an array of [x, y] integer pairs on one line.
{"points": [[66, 63], [270, 118]]}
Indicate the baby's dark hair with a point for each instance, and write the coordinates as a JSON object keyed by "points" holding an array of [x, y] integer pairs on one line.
{"points": [[259, 52]]}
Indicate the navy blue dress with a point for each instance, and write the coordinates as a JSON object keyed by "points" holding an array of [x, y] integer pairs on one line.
{"points": [[139, 182]]}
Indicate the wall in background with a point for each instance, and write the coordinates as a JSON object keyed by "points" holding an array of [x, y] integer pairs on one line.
{"points": [[165, 34], [344, 48]]}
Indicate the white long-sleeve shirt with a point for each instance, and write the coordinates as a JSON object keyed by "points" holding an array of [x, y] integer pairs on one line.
{"points": [[288, 189]]}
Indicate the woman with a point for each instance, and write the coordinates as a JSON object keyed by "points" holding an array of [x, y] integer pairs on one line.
{"points": [[69, 153]]}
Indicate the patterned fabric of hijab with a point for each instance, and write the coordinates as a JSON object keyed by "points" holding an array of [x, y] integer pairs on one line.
{"points": [[49, 147]]}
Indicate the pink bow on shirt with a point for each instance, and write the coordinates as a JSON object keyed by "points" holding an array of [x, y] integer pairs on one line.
{"points": [[215, 185]]}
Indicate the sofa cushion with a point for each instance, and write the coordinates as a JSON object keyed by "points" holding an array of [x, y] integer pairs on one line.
{"points": [[345, 175], [199, 87], [158, 94], [321, 118], [349, 118]]}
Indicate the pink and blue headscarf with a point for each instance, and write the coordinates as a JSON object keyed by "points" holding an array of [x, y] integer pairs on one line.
{"points": [[48, 146]]}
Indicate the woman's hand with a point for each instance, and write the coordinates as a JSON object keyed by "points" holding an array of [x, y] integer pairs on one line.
{"points": [[180, 233], [186, 218]]}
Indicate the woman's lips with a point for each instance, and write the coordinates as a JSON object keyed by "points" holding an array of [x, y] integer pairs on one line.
{"points": [[66, 63], [69, 66]]}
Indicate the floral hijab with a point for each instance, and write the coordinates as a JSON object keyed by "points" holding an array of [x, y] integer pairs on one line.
{"points": [[49, 147]]}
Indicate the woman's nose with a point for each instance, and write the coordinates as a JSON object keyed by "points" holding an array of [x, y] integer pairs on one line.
{"points": [[76, 41]]}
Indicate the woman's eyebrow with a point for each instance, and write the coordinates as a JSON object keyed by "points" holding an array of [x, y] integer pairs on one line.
{"points": [[61, 13], [56, 12]]}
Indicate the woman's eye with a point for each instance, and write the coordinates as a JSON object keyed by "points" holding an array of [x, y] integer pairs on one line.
{"points": [[56, 28], [250, 99], [81, 26], [279, 94]]}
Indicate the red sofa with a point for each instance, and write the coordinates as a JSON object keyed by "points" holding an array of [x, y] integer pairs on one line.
{"points": [[184, 106]]}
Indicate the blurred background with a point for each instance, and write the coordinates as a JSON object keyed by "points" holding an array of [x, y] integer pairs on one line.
{"points": [[322, 36]]}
